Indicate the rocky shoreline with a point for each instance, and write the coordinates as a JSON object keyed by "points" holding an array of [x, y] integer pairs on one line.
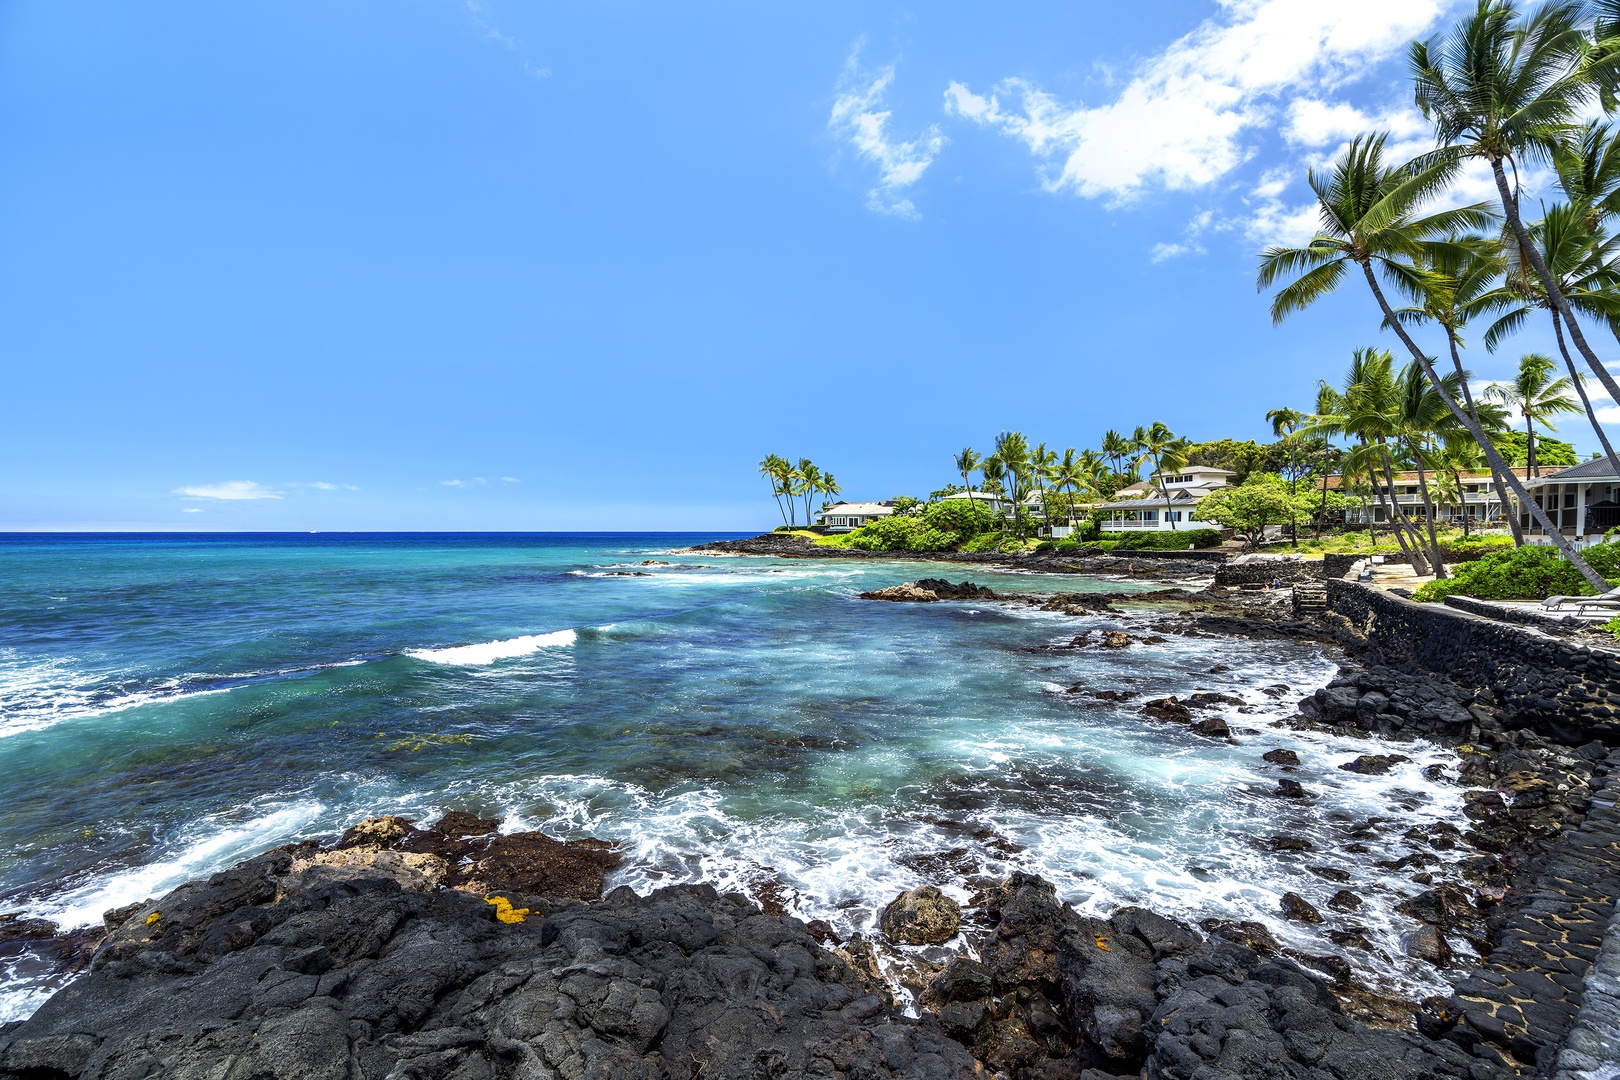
{"points": [[453, 951]]}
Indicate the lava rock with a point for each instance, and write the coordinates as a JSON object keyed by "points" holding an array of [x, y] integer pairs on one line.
{"points": [[922, 916], [1281, 757], [1296, 908], [1374, 764]]}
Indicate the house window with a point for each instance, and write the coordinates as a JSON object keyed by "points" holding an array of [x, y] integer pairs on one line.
{"points": [[1150, 515], [1569, 498]]}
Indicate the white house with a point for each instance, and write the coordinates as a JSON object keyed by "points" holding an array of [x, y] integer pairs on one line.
{"points": [[991, 503], [844, 516], [1583, 501], [1145, 507]]}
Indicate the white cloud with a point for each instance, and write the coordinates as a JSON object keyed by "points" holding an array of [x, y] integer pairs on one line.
{"points": [[230, 489], [510, 480], [191, 509], [858, 115], [474, 482], [1181, 120], [323, 485], [1189, 244]]}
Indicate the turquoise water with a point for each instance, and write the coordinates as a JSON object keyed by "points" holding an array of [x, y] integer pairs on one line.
{"points": [[170, 704]]}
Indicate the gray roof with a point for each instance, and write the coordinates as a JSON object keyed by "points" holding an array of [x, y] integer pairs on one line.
{"points": [[1588, 471]]}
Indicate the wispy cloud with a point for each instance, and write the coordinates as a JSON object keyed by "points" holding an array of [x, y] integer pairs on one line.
{"points": [[1184, 119], [229, 489], [510, 480], [858, 115], [474, 482], [481, 18], [325, 485], [1188, 245], [191, 509]]}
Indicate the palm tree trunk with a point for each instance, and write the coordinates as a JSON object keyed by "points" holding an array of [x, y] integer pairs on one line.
{"points": [[1567, 549], [1510, 208], [1428, 509], [1586, 402], [1496, 477], [1413, 550], [1321, 512]]}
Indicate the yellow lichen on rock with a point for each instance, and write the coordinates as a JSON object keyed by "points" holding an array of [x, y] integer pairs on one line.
{"points": [[153, 918], [504, 910], [1102, 943]]}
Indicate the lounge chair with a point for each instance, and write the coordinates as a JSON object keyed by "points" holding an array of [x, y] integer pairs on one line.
{"points": [[1609, 601]]}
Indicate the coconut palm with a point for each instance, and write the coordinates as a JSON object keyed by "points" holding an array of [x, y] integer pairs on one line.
{"points": [[1580, 262], [1371, 218], [1419, 415], [1043, 466], [809, 478], [829, 488], [1158, 444], [1459, 286], [1507, 87], [1369, 412], [1116, 448], [775, 469], [966, 462], [1012, 450], [1285, 423], [1535, 396]]}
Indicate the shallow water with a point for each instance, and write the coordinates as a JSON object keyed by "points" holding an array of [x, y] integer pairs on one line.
{"points": [[171, 704]]}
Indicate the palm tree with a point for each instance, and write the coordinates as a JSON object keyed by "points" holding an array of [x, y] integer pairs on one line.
{"points": [[1012, 450], [809, 484], [1579, 260], [1043, 465], [1459, 286], [966, 462], [1420, 414], [829, 488], [1319, 424], [1507, 88], [1370, 217], [1116, 448], [992, 473], [773, 468], [1536, 396], [1370, 413], [1157, 443], [1284, 423]]}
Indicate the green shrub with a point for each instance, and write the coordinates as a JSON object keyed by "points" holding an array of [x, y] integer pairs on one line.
{"points": [[902, 533], [1532, 572], [1475, 547], [956, 515], [1089, 529], [1169, 541], [1066, 546], [985, 541], [1042, 547]]}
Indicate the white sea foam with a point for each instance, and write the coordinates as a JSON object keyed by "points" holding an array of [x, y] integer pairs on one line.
{"points": [[35, 696], [490, 651], [201, 848]]}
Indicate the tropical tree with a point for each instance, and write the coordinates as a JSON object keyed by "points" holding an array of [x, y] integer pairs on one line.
{"points": [[1459, 285], [1116, 448], [809, 481], [1252, 507], [829, 488], [1012, 451], [966, 462], [1507, 87], [1371, 216], [1536, 397], [775, 469], [1158, 444], [1285, 424]]}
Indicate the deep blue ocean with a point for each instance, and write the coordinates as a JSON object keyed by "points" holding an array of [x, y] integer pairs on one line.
{"points": [[172, 703]]}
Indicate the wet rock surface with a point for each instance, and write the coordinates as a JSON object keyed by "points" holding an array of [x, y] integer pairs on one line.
{"points": [[1055, 994], [922, 916], [290, 967], [930, 590]]}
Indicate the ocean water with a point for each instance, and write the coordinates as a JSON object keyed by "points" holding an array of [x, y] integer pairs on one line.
{"points": [[171, 704]]}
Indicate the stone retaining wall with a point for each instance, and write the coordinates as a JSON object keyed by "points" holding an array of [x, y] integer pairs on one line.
{"points": [[1264, 569], [1564, 689]]}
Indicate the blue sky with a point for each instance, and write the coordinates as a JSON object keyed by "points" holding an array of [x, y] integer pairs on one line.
{"points": [[482, 264]]}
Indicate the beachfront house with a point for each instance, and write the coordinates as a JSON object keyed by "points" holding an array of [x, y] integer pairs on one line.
{"points": [[844, 516], [1145, 508], [1583, 500], [988, 502], [1479, 502]]}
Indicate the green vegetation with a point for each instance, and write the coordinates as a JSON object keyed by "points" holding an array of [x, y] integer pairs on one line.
{"points": [[1261, 501]]}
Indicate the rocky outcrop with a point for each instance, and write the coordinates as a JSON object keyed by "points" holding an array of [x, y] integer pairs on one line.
{"points": [[923, 916], [291, 966], [928, 590], [1389, 702], [1059, 995]]}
